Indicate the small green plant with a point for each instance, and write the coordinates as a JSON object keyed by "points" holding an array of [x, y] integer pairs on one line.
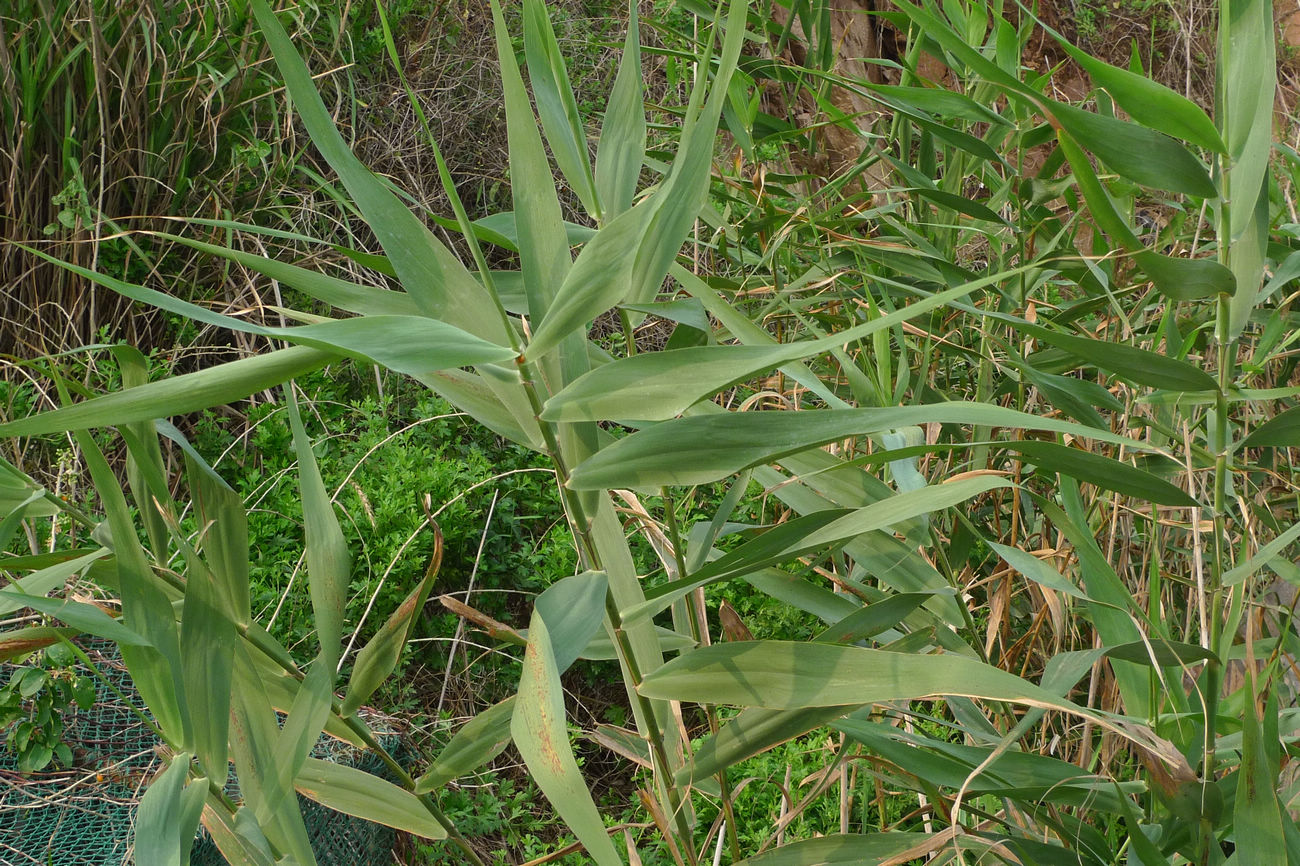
{"points": [[33, 704]]}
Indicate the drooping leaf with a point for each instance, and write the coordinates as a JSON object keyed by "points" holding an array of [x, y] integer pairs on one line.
{"points": [[353, 297], [1104, 472], [358, 793], [177, 395], [704, 448], [574, 609], [1036, 570], [414, 345], [78, 614], [428, 271], [1148, 101], [537, 726], [1176, 278]]}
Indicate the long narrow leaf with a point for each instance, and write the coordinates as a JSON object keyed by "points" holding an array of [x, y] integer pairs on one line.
{"points": [[538, 728]]}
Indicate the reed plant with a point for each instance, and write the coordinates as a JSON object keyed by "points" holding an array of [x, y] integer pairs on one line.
{"points": [[1037, 497]]}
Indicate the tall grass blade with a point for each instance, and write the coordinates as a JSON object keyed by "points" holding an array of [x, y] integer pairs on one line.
{"points": [[429, 272], [557, 107], [178, 395], [539, 732], [621, 149], [543, 247]]}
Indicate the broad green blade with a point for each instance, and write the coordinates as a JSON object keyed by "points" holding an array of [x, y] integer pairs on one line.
{"points": [[17, 491], [1178, 279], [178, 395], [542, 739], [328, 562], [1247, 84], [1159, 653], [788, 676], [1186, 279], [428, 271], [414, 345], [655, 386], [815, 532], [704, 448], [1138, 365], [947, 104], [1113, 608], [478, 741], [1246, 257], [785, 675], [1036, 570], [598, 280], [1104, 472], [82, 616], [543, 248], [353, 297], [144, 458], [874, 618], [208, 640], [1257, 816], [245, 846], [328, 576], [474, 395], [168, 816], [1280, 431], [355, 792], [225, 537], [1146, 101], [1266, 554], [146, 608], [43, 581], [556, 107], [621, 150], [254, 741]]}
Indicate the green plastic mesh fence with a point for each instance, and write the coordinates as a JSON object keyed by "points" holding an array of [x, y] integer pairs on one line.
{"points": [[84, 815]]}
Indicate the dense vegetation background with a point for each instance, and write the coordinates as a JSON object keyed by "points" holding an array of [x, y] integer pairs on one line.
{"points": [[864, 162]]}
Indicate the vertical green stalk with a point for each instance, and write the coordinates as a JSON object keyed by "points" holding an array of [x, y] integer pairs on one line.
{"points": [[698, 633], [581, 526]]}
